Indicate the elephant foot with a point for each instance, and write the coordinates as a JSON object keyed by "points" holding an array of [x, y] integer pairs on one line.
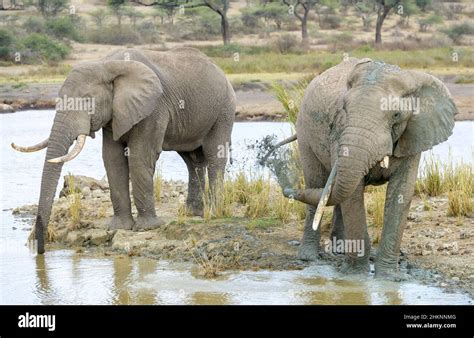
{"points": [[121, 222], [145, 223], [392, 275], [308, 252], [354, 267]]}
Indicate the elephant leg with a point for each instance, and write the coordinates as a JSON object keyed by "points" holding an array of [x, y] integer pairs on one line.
{"points": [[337, 228], [196, 182], [142, 157], [400, 191], [356, 238], [116, 166], [315, 176], [215, 148]]}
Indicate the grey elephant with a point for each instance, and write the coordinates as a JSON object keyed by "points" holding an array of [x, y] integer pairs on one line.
{"points": [[145, 102], [362, 123]]}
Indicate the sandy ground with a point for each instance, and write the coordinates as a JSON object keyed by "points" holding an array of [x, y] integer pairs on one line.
{"points": [[254, 101], [436, 249]]}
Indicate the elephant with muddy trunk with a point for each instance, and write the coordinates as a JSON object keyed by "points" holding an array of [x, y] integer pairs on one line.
{"points": [[145, 102], [362, 123]]}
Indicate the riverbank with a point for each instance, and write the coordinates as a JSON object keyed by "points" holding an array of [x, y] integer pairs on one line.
{"points": [[255, 101], [436, 249]]}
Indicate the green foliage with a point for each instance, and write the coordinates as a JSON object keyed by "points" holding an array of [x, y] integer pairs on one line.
{"points": [[34, 24], [41, 46], [428, 21], [115, 35], [99, 16], [423, 4], [50, 8], [457, 31], [63, 28], [6, 38], [285, 43]]}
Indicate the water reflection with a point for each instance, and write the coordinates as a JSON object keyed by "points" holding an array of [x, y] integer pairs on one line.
{"points": [[89, 279]]}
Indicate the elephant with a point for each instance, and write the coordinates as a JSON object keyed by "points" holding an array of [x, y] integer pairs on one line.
{"points": [[145, 102], [365, 122]]}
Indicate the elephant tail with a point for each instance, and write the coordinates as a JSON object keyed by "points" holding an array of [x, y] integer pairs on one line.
{"points": [[290, 139]]}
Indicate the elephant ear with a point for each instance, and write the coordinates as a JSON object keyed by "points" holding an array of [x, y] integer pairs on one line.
{"points": [[433, 121], [135, 94]]}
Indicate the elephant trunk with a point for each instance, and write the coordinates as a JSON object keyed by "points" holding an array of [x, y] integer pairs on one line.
{"points": [[61, 138], [357, 153]]}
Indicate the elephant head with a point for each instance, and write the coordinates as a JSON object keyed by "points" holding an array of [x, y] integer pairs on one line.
{"points": [[122, 94], [385, 112]]}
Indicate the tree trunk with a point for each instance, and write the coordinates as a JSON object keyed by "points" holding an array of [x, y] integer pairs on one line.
{"points": [[304, 26], [381, 15], [225, 29]]}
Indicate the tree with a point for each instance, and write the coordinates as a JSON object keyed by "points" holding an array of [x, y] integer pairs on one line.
{"points": [[273, 11], [325, 8], [407, 9], [220, 7], [50, 8], [99, 16], [383, 9], [301, 15], [423, 4], [431, 20], [133, 15], [365, 10], [117, 8]]}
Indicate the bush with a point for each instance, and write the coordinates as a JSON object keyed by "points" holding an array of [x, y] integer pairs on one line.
{"points": [[456, 32], [331, 21], [115, 35], [6, 38], [34, 24], [40, 46], [63, 28], [148, 32], [285, 43]]}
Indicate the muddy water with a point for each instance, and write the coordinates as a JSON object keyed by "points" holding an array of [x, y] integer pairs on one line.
{"points": [[64, 277]]}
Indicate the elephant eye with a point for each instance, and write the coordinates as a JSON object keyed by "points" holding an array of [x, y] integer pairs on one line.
{"points": [[397, 115]]}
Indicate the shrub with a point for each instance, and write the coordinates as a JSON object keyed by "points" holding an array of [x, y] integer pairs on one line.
{"points": [[285, 43], [63, 28], [35, 24], [6, 38], [115, 35], [41, 46], [331, 21], [456, 32]]}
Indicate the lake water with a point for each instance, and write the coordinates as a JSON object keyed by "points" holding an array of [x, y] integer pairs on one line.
{"points": [[63, 277]]}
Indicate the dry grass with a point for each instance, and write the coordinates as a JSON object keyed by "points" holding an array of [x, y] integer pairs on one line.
{"points": [[208, 267], [182, 213], [74, 203], [460, 191], [158, 185], [375, 204], [453, 178]]}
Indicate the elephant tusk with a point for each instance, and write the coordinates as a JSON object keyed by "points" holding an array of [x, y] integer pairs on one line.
{"points": [[31, 149], [324, 198], [81, 140], [384, 162]]}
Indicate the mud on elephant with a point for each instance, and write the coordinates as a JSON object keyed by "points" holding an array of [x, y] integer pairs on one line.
{"points": [[144, 102], [362, 123]]}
